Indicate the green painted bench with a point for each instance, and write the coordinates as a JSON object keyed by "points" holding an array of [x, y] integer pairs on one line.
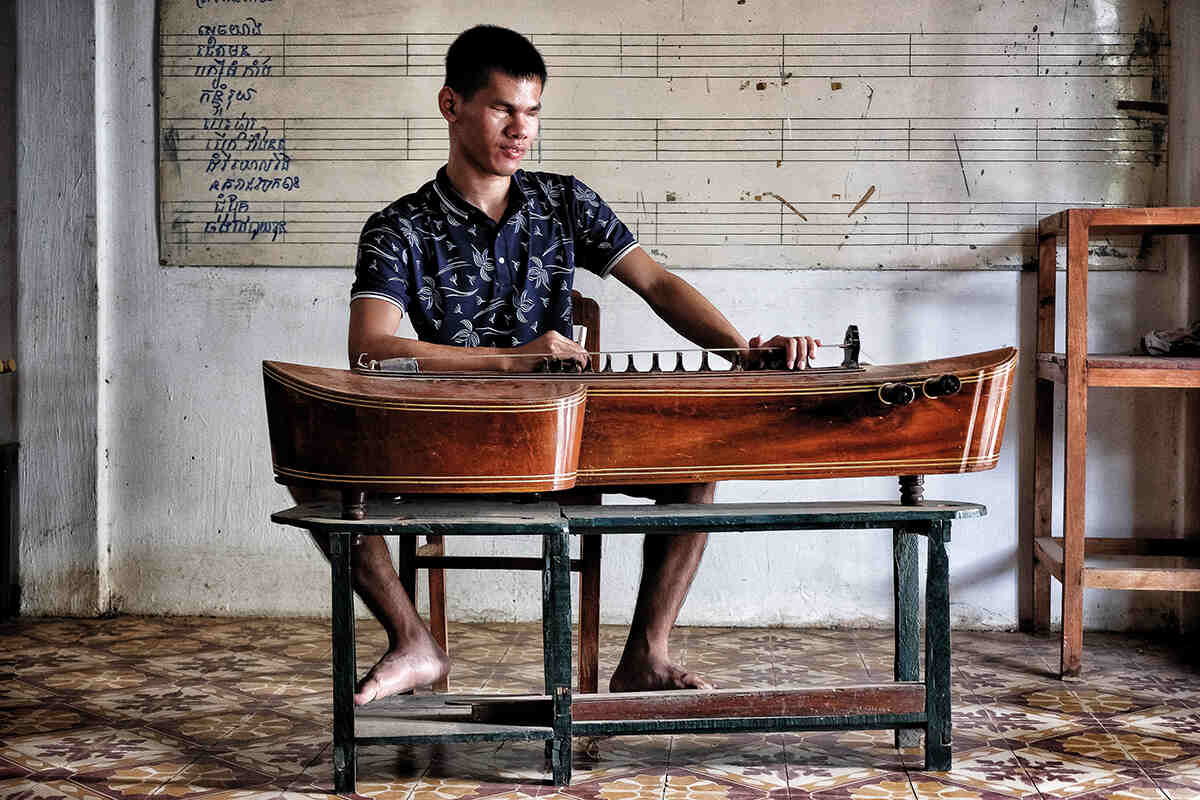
{"points": [[908, 704]]}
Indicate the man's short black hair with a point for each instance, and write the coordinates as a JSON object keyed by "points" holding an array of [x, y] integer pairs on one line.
{"points": [[480, 50]]}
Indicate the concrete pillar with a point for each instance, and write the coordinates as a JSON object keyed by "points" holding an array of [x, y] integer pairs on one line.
{"points": [[57, 306], [1183, 125], [8, 303]]}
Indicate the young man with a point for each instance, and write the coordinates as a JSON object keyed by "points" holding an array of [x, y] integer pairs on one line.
{"points": [[484, 256]]}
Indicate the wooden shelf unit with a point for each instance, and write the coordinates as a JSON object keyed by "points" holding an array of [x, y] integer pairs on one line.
{"points": [[1078, 370]]}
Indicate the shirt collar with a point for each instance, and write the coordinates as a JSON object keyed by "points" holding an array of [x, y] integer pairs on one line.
{"points": [[452, 201]]}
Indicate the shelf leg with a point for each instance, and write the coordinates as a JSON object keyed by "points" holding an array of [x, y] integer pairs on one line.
{"points": [[1043, 436], [1075, 471]]}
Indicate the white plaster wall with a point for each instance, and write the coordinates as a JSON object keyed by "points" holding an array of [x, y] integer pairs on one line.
{"points": [[186, 488]]}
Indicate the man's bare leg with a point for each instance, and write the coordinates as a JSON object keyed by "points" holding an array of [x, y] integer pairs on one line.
{"points": [[669, 564], [413, 658]]}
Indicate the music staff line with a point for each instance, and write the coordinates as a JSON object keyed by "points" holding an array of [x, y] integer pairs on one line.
{"points": [[779, 56], [1115, 140], [762, 220]]}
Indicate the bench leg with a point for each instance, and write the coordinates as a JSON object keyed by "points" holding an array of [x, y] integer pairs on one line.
{"points": [[437, 607], [937, 649], [905, 588], [589, 613], [345, 751], [556, 648]]}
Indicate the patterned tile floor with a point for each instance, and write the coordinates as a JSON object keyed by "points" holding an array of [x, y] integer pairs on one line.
{"points": [[239, 708]]}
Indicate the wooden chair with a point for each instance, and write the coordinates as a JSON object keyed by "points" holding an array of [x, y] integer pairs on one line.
{"points": [[432, 556]]}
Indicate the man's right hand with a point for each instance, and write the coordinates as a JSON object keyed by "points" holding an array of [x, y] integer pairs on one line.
{"points": [[550, 345]]}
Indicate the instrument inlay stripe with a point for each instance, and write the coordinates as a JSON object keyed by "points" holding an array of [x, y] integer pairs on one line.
{"points": [[430, 479], [566, 403]]}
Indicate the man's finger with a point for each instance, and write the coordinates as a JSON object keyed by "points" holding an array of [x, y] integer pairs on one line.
{"points": [[792, 352]]}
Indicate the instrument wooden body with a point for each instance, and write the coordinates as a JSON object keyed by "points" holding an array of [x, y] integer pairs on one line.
{"points": [[482, 432]]}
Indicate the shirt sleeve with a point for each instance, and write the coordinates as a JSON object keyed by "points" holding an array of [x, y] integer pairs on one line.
{"points": [[384, 268], [601, 239]]}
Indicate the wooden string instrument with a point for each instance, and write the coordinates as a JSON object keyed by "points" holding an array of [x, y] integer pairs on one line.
{"points": [[479, 432]]}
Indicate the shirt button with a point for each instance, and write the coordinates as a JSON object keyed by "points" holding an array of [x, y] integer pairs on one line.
{"points": [[501, 260]]}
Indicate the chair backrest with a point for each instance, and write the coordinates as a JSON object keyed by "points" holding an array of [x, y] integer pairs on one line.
{"points": [[586, 312]]}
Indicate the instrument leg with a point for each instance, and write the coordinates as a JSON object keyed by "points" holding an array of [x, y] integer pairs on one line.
{"points": [[354, 503]]}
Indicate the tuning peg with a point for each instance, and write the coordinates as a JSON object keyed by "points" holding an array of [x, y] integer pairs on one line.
{"points": [[629, 366], [654, 367], [704, 366], [942, 386], [896, 394], [607, 363], [679, 362]]}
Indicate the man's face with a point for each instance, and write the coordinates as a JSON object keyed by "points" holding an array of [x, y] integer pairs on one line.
{"points": [[497, 126]]}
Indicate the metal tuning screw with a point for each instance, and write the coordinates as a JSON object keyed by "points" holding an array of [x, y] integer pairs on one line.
{"points": [[850, 348], [654, 367], [704, 366], [679, 362], [896, 394], [629, 366], [607, 363], [736, 364], [941, 386]]}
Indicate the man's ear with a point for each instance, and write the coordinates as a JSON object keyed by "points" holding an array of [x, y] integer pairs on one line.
{"points": [[448, 103]]}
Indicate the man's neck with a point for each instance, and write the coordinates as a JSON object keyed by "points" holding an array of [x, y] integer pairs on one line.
{"points": [[489, 193]]}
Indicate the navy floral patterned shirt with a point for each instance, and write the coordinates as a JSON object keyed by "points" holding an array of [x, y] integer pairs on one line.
{"points": [[465, 279]]}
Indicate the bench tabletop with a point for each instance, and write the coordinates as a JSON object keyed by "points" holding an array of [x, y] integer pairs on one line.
{"points": [[762, 516], [448, 517], [490, 517]]}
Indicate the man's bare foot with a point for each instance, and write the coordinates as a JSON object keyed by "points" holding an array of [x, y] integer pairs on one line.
{"points": [[401, 670], [653, 676]]}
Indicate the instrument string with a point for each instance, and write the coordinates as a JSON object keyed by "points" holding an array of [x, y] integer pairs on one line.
{"points": [[716, 350]]}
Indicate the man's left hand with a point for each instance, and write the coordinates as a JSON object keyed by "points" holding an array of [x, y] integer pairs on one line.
{"points": [[797, 351]]}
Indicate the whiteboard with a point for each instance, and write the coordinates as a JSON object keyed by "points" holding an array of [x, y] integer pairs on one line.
{"points": [[763, 134]]}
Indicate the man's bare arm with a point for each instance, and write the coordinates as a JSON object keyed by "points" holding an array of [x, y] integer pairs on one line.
{"points": [[691, 315], [373, 324]]}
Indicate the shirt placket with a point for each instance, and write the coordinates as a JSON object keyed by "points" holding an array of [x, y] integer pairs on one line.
{"points": [[502, 259]]}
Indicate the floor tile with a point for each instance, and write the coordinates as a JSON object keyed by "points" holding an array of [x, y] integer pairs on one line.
{"points": [[22, 789], [86, 749], [1061, 775]]}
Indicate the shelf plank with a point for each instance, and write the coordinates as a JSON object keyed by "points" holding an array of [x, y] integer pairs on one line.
{"points": [[1049, 551], [1165, 579], [1119, 221], [1178, 579], [1162, 547], [1129, 371]]}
